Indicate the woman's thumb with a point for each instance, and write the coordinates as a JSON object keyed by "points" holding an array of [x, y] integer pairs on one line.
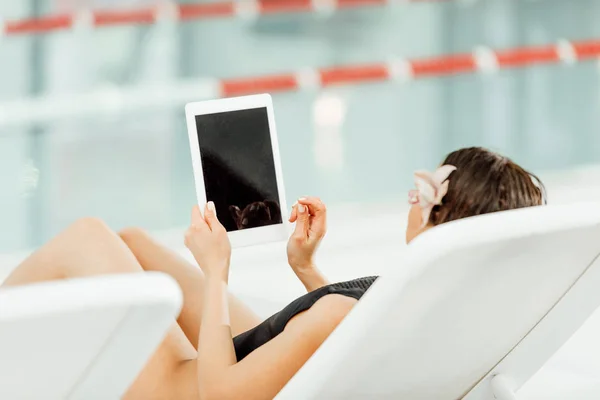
{"points": [[210, 215]]}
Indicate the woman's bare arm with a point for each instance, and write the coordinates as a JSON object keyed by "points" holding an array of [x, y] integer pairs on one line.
{"points": [[310, 216], [311, 277], [263, 373], [216, 353]]}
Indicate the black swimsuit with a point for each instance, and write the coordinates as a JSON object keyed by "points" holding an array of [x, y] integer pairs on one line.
{"points": [[251, 340]]}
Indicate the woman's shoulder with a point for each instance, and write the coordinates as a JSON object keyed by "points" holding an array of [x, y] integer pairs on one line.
{"points": [[337, 299], [324, 316], [332, 308], [323, 308]]}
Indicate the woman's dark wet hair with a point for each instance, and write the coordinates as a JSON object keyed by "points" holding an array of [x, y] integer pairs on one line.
{"points": [[486, 182]]}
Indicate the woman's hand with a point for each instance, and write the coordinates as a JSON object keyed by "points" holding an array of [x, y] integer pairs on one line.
{"points": [[207, 239], [310, 216]]}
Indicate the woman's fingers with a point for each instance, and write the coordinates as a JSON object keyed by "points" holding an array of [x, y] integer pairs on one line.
{"points": [[314, 204], [210, 215], [198, 221], [310, 215], [318, 212], [294, 213], [302, 221], [197, 225]]}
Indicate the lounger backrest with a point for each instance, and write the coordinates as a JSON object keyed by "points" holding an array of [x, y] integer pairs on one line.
{"points": [[82, 339], [463, 298]]}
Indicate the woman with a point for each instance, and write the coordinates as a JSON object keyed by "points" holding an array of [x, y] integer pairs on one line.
{"points": [[198, 359]]}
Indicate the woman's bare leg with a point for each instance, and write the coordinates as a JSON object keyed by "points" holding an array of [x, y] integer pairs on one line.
{"points": [[89, 248], [86, 248], [152, 256]]}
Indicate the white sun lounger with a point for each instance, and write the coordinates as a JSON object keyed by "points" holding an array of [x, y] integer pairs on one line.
{"points": [[471, 312], [82, 339]]}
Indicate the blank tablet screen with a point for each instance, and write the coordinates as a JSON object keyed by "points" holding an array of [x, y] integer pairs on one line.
{"points": [[239, 168]]}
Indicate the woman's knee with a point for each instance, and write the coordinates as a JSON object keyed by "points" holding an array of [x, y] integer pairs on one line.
{"points": [[92, 248], [89, 227], [66, 255]]}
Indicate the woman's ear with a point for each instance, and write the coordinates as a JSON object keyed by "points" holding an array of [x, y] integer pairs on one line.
{"points": [[414, 223]]}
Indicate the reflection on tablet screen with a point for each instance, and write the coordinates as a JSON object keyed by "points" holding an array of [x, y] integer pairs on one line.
{"points": [[238, 167]]}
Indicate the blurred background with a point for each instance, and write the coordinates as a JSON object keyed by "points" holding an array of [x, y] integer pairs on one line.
{"points": [[91, 104]]}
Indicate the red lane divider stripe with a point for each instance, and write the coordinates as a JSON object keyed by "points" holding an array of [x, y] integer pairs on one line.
{"points": [[277, 6], [364, 73], [186, 12], [39, 25], [440, 66], [454, 64], [206, 10], [526, 56], [124, 17], [275, 83], [585, 50]]}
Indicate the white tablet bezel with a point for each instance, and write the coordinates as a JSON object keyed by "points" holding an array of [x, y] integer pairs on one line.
{"points": [[252, 236]]}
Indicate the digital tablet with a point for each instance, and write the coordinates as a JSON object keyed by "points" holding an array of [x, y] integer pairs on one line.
{"points": [[236, 163]]}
